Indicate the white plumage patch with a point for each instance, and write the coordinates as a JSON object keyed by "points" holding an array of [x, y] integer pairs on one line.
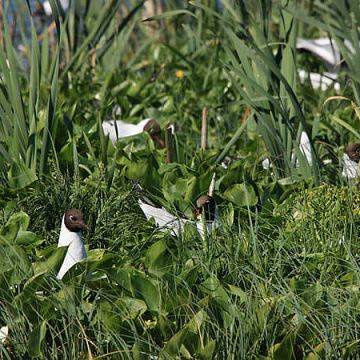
{"points": [[117, 129], [76, 249]]}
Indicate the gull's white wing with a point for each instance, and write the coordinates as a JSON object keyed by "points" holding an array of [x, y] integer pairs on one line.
{"points": [[319, 81], [305, 146], [323, 48], [163, 218], [350, 168], [4, 332], [117, 129], [47, 7], [266, 164], [208, 226]]}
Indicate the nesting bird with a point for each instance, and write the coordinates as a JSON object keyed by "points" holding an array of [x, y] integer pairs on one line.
{"points": [[351, 160], [205, 206], [353, 152], [72, 226], [205, 213], [47, 7], [4, 333], [328, 52], [324, 48], [118, 129], [304, 147]]}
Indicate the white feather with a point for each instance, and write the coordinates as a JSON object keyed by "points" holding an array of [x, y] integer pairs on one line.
{"points": [[319, 81], [117, 129], [163, 219], [212, 186], [4, 333], [47, 7], [166, 221], [305, 147], [266, 164], [76, 249], [324, 48], [207, 227], [350, 168]]}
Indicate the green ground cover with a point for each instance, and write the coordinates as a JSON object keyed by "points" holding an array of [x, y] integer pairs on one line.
{"points": [[278, 279]]}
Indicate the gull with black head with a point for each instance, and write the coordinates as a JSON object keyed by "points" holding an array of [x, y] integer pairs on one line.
{"points": [[72, 226], [351, 159], [205, 214]]}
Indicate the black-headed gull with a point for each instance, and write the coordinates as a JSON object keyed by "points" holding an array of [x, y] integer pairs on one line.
{"points": [[205, 213], [324, 48], [71, 235], [4, 333], [47, 7], [320, 81], [351, 159], [305, 148], [118, 129], [328, 52]]}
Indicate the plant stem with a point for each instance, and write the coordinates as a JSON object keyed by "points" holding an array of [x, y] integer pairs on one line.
{"points": [[204, 135], [246, 116], [170, 144]]}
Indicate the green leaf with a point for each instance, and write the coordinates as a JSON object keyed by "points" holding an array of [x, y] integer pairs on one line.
{"points": [[318, 352], [19, 176], [132, 308], [53, 262], [241, 195], [147, 291], [27, 238], [283, 350], [213, 287], [187, 337], [207, 352], [158, 259], [14, 258], [36, 338], [169, 14], [16, 222]]}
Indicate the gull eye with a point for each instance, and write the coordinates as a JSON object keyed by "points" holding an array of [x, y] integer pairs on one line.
{"points": [[72, 218]]}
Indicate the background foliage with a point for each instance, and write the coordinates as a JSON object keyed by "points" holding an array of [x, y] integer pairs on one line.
{"points": [[278, 280]]}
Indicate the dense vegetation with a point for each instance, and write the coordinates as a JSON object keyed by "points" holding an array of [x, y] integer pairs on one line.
{"points": [[278, 279]]}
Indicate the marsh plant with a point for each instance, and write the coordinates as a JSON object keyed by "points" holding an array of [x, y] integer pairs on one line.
{"points": [[278, 278]]}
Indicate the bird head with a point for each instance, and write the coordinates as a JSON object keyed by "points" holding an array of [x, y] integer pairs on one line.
{"points": [[74, 220]]}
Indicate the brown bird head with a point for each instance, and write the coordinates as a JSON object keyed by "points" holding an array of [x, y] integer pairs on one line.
{"points": [[74, 220], [206, 205], [154, 130], [353, 151], [152, 127]]}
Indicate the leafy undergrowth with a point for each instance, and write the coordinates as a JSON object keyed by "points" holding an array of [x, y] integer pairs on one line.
{"points": [[252, 289], [278, 279]]}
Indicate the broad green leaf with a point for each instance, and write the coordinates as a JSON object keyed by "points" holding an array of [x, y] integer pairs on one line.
{"points": [[187, 337], [19, 176], [241, 195], [16, 222], [36, 338], [207, 352], [132, 308], [14, 258], [283, 350], [53, 262], [318, 352], [144, 289], [27, 238], [158, 258]]}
